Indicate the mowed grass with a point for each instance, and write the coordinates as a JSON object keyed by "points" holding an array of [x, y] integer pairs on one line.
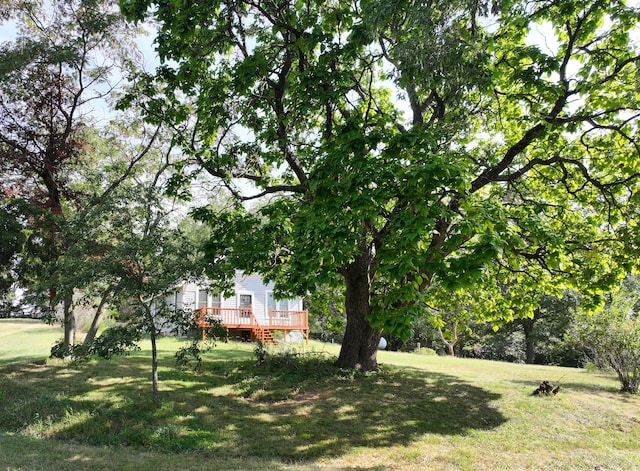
{"points": [[417, 412], [26, 339]]}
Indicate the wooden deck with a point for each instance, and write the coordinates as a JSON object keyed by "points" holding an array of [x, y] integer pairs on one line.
{"points": [[243, 319]]}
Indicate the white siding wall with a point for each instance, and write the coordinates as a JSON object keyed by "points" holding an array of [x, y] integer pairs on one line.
{"points": [[189, 296]]}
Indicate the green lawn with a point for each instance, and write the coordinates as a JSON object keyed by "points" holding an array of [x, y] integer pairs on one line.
{"points": [[418, 412], [26, 339]]}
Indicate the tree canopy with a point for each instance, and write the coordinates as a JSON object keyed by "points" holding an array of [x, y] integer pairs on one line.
{"points": [[404, 145]]}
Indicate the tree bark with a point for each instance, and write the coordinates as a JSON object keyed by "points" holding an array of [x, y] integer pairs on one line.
{"points": [[360, 345], [154, 367], [97, 319], [450, 343], [154, 357], [529, 340], [69, 322]]}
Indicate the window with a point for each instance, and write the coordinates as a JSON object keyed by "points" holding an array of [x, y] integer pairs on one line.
{"points": [[276, 305], [272, 304], [203, 295], [245, 300]]}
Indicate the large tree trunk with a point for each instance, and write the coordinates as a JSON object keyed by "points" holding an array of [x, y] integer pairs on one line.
{"points": [[360, 344]]}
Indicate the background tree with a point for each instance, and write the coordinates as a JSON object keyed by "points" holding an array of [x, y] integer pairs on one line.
{"points": [[423, 335], [160, 259], [543, 333], [453, 316], [610, 336], [122, 156], [11, 241], [68, 58], [536, 339], [404, 145]]}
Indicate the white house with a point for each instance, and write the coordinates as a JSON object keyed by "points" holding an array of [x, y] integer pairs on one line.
{"points": [[253, 310]]}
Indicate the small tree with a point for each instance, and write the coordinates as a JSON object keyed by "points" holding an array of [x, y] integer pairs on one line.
{"points": [[150, 257], [610, 337]]}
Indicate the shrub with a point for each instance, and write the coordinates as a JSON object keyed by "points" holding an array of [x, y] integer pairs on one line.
{"points": [[610, 337], [426, 351], [117, 340]]}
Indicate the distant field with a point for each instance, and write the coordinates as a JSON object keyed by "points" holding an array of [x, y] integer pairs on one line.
{"points": [[26, 339], [418, 412]]}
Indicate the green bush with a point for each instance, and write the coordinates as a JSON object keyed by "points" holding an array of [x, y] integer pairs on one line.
{"points": [[426, 351], [610, 337], [117, 340]]}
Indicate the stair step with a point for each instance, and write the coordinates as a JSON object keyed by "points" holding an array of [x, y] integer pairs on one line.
{"points": [[265, 336]]}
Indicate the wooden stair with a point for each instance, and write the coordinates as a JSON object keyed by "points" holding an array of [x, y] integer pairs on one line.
{"points": [[264, 335]]}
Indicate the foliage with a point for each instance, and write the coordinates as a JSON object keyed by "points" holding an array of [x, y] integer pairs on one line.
{"points": [[60, 350], [292, 357], [507, 344], [116, 340], [194, 351], [67, 60], [151, 257], [132, 249], [326, 313], [12, 239], [535, 339], [423, 333], [610, 336], [260, 352], [406, 146]]}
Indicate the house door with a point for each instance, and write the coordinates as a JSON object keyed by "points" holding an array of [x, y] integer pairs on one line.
{"points": [[246, 304]]}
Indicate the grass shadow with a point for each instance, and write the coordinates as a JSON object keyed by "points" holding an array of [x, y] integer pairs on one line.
{"points": [[18, 358], [235, 409]]}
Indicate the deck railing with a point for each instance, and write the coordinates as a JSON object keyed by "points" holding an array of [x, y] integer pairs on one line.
{"points": [[242, 316], [288, 319]]}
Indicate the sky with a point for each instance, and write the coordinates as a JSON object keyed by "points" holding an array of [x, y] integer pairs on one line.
{"points": [[7, 31]]}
